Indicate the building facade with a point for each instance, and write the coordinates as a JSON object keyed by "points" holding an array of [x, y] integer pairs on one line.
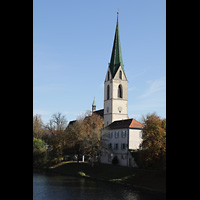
{"points": [[118, 140]]}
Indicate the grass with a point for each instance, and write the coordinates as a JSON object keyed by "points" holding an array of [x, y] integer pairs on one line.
{"points": [[122, 179], [83, 174], [152, 179]]}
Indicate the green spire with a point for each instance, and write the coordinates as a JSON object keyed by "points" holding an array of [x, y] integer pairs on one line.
{"points": [[94, 103], [116, 56]]}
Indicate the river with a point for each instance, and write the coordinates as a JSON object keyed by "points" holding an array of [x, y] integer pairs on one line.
{"points": [[57, 187]]}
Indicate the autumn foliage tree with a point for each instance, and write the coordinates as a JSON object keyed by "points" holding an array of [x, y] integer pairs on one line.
{"points": [[91, 134], [37, 127], [153, 147], [57, 140], [84, 135], [81, 137]]}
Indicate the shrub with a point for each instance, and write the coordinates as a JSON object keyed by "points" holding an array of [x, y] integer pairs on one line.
{"points": [[115, 160]]}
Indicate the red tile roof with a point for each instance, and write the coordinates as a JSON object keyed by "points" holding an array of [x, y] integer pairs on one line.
{"points": [[127, 123], [136, 124]]}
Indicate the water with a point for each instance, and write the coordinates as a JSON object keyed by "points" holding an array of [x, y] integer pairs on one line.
{"points": [[57, 187]]}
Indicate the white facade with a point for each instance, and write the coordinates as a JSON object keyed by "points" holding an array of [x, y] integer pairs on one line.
{"points": [[115, 107], [135, 138], [118, 142]]}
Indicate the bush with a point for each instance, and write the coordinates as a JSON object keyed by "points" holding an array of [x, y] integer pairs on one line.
{"points": [[39, 153], [39, 158], [115, 160]]}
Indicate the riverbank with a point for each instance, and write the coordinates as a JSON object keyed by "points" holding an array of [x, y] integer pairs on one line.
{"points": [[152, 180]]}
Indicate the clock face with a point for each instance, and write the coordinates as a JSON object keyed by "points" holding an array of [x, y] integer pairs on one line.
{"points": [[120, 109]]}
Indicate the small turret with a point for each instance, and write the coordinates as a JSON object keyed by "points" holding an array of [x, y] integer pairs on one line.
{"points": [[94, 105]]}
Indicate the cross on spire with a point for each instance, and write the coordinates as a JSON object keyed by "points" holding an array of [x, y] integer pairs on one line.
{"points": [[117, 13]]}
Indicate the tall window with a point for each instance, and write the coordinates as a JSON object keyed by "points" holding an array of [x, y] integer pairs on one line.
{"points": [[108, 92], [120, 91], [116, 134], [123, 134], [116, 146], [108, 76], [120, 74], [123, 146]]}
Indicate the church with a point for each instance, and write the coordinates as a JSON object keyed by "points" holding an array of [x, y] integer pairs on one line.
{"points": [[120, 133]]}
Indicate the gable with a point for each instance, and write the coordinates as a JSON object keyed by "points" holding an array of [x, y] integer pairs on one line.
{"points": [[136, 124], [117, 74]]}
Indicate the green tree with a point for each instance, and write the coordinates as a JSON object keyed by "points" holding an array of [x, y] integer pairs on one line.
{"points": [[39, 152], [38, 144], [115, 160]]}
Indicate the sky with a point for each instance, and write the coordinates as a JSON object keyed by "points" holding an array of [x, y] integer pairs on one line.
{"points": [[72, 45]]}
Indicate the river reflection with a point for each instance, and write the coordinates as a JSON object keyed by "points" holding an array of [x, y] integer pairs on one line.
{"points": [[56, 187]]}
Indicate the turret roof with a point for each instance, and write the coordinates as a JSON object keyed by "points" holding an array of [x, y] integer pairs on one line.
{"points": [[94, 103]]}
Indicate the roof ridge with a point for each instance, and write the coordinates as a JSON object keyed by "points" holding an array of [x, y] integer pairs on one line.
{"points": [[122, 120], [137, 121]]}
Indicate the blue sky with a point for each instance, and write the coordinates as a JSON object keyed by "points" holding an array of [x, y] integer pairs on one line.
{"points": [[72, 44]]}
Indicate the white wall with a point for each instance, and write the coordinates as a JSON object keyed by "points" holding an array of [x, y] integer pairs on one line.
{"points": [[118, 107], [135, 138]]}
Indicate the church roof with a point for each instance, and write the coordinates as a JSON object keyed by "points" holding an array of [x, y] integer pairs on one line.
{"points": [[116, 56], [100, 112], [127, 123], [72, 122]]}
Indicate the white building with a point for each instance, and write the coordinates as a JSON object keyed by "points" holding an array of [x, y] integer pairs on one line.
{"points": [[118, 139]]}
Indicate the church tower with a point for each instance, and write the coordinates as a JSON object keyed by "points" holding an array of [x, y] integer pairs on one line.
{"points": [[115, 85]]}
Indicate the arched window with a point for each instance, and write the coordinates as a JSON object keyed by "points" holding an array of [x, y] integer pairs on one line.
{"points": [[108, 92], [108, 76], [120, 74], [120, 91]]}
